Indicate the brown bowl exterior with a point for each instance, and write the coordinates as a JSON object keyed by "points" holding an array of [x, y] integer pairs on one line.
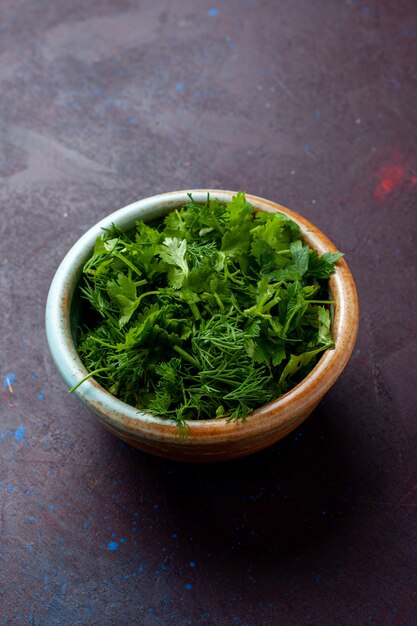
{"points": [[220, 440]]}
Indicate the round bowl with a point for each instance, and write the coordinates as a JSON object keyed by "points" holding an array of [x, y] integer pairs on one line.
{"points": [[207, 440]]}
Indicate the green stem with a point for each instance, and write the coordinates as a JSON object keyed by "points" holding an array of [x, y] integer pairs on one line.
{"points": [[219, 302], [320, 301], [187, 356], [101, 369], [103, 343], [147, 293], [283, 252], [194, 310], [128, 263]]}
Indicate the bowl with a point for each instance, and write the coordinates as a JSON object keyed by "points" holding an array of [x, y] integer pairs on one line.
{"points": [[207, 440]]}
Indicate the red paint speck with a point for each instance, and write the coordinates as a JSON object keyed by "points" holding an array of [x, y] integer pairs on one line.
{"points": [[389, 177]]}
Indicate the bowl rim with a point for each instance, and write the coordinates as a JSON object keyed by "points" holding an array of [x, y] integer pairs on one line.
{"points": [[121, 417]]}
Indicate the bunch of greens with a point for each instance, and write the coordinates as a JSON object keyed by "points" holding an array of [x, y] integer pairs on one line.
{"points": [[211, 312]]}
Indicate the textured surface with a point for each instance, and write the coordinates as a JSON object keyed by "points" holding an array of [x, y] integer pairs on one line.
{"points": [[311, 104]]}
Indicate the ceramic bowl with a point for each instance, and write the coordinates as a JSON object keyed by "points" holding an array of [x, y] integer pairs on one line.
{"points": [[208, 440]]}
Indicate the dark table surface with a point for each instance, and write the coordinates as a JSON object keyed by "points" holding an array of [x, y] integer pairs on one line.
{"points": [[312, 104]]}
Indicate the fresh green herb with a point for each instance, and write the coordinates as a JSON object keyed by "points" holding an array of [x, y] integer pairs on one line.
{"points": [[212, 312]]}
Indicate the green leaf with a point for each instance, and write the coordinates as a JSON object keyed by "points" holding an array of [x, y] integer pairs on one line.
{"points": [[124, 286], [176, 225], [298, 361], [123, 291], [267, 350], [264, 254], [172, 251], [99, 246], [236, 243], [110, 244], [238, 209], [300, 255], [276, 229], [138, 333], [322, 267], [267, 296], [324, 334]]}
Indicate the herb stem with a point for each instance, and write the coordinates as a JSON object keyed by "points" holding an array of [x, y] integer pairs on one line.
{"points": [[147, 293], [186, 356], [103, 343], [194, 310], [93, 373], [128, 263], [219, 302]]}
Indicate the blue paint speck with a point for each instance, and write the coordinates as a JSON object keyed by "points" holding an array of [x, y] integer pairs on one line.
{"points": [[9, 380], [122, 540], [212, 12], [34, 377], [10, 488], [20, 433], [192, 564], [52, 507], [317, 116], [85, 525], [306, 148], [179, 86], [188, 586], [41, 396], [113, 545]]}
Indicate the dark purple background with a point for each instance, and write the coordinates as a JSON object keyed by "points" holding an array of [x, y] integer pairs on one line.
{"points": [[313, 104]]}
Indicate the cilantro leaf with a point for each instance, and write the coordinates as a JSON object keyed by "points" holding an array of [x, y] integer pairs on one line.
{"points": [[172, 251]]}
